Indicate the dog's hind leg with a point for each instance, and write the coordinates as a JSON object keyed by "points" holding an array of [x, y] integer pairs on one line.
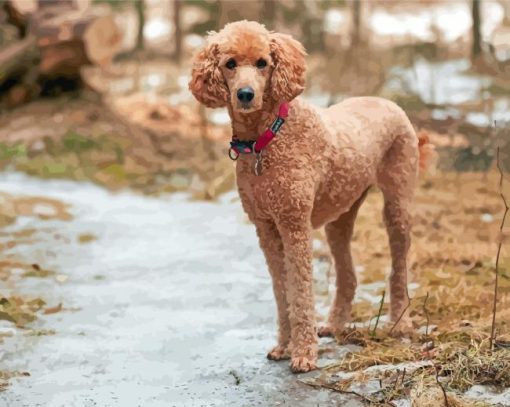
{"points": [[397, 178], [339, 234], [272, 246]]}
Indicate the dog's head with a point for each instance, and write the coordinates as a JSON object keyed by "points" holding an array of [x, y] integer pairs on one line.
{"points": [[245, 65]]}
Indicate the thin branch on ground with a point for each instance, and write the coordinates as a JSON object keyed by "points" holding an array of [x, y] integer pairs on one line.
{"points": [[441, 387], [367, 399], [236, 377], [379, 313], [500, 243], [426, 314], [400, 316]]}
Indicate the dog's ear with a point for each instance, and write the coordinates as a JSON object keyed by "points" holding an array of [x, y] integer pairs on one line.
{"points": [[207, 83], [288, 78]]}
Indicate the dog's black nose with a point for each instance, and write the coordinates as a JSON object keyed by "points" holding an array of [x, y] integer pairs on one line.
{"points": [[245, 95]]}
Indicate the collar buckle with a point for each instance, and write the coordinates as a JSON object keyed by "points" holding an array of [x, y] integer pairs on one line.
{"points": [[233, 154], [238, 147]]}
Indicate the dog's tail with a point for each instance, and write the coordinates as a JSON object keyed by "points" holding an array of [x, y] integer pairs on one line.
{"points": [[428, 153]]}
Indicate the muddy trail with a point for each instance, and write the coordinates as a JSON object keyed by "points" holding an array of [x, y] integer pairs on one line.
{"points": [[165, 302]]}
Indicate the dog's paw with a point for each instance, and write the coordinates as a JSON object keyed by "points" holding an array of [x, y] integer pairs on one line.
{"points": [[302, 364], [278, 353], [325, 331], [337, 331]]}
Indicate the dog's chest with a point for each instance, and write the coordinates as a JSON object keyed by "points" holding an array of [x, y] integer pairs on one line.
{"points": [[258, 193]]}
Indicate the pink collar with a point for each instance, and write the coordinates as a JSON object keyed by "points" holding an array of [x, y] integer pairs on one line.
{"points": [[238, 147]]}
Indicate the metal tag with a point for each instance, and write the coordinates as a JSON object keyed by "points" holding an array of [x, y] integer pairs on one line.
{"points": [[258, 164]]}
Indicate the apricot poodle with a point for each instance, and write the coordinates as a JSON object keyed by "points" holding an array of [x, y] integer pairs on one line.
{"points": [[301, 167]]}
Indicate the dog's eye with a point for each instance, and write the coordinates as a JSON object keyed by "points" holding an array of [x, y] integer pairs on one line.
{"points": [[231, 63], [261, 63]]}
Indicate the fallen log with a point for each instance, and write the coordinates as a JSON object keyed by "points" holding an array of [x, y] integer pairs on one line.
{"points": [[59, 39], [17, 58], [18, 12], [18, 71], [72, 29], [73, 39]]}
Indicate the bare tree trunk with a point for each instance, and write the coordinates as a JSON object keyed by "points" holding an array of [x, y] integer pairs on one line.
{"points": [[268, 14], [356, 23], [477, 40], [234, 10], [140, 11], [506, 7], [178, 30]]}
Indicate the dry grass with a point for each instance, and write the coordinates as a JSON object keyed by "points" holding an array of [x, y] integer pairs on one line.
{"points": [[452, 265], [454, 242], [386, 351], [460, 360], [425, 394], [466, 365]]}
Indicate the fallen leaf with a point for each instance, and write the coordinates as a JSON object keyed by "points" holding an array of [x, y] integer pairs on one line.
{"points": [[61, 278], [86, 237], [53, 310]]}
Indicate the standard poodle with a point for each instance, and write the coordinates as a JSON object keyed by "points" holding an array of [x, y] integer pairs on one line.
{"points": [[301, 167]]}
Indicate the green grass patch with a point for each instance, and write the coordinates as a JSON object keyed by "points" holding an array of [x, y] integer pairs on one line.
{"points": [[77, 143], [8, 152], [114, 162]]}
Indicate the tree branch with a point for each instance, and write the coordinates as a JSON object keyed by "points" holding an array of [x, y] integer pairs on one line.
{"points": [[500, 242]]}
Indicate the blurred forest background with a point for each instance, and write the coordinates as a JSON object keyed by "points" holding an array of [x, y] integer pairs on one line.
{"points": [[98, 89]]}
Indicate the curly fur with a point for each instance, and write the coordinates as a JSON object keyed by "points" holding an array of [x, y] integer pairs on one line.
{"points": [[315, 173], [288, 78], [207, 84]]}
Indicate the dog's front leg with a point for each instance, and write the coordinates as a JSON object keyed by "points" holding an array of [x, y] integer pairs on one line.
{"points": [[272, 246], [297, 244]]}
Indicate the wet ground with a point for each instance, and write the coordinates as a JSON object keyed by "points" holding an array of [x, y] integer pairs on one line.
{"points": [[171, 305]]}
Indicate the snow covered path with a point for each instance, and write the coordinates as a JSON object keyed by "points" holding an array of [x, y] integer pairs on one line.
{"points": [[171, 306]]}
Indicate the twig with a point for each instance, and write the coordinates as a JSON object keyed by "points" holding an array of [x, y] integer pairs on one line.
{"points": [[441, 387], [394, 390], [436, 369], [493, 327], [400, 317], [236, 377], [379, 313], [367, 399], [426, 314], [396, 379]]}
